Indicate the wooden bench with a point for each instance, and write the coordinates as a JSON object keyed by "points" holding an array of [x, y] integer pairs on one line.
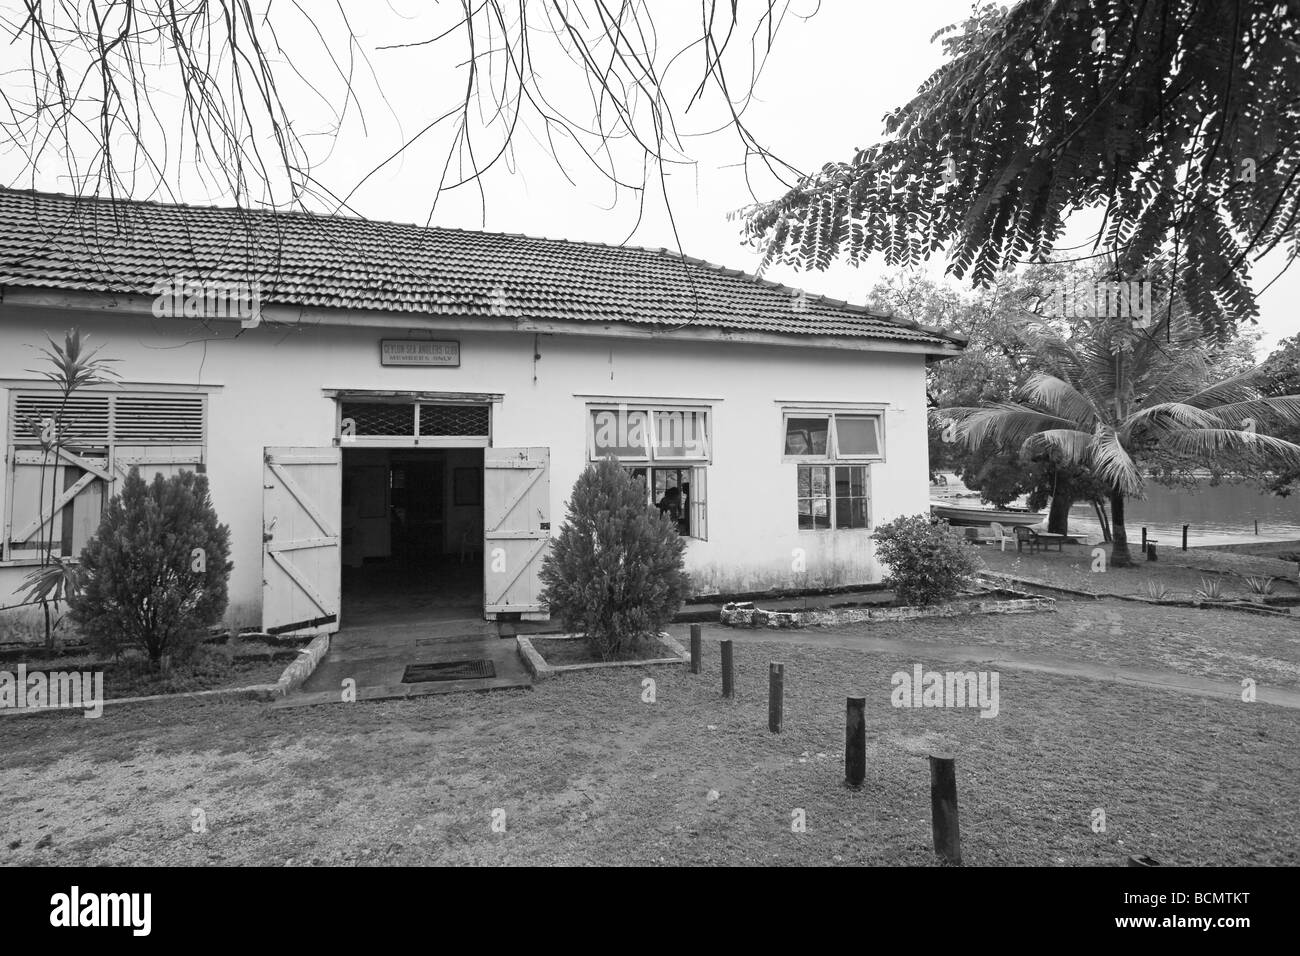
{"points": [[1037, 540]]}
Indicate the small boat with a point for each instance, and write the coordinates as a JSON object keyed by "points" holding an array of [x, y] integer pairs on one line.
{"points": [[968, 515]]}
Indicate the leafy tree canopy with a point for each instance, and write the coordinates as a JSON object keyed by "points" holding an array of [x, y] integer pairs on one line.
{"points": [[1177, 118]]}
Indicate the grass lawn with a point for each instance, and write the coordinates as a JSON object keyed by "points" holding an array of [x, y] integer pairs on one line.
{"points": [[586, 772], [1180, 572]]}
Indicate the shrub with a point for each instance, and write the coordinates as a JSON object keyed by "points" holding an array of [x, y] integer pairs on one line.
{"points": [[616, 571], [928, 563], [154, 575]]}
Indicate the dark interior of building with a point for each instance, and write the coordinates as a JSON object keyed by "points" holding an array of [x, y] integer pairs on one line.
{"points": [[412, 533]]}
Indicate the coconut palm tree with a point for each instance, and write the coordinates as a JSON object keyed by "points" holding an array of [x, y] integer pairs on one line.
{"points": [[1110, 398]]}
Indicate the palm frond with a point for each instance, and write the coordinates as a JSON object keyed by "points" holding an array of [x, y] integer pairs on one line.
{"points": [[1073, 446], [1061, 399], [1284, 409], [1203, 442], [1006, 424], [1112, 463]]}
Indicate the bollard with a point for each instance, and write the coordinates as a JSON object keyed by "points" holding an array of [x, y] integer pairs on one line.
{"points": [[775, 696], [1144, 540], [1185, 537], [728, 671], [943, 808], [697, 641], [855, 741]]}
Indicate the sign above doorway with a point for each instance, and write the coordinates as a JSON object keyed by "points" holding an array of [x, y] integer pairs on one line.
{"points": [[445, 352]]}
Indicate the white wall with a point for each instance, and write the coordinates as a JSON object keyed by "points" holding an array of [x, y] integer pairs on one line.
{"points": [[267, 390]]}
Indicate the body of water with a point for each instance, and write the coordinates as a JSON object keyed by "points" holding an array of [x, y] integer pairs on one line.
{"points": [[1216, 513], [1209, 510]]}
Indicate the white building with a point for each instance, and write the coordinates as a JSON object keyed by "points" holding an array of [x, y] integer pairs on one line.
{"points": [[400, 413]]}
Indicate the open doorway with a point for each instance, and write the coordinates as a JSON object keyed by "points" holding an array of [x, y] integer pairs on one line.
{"points": [[412, 526]]}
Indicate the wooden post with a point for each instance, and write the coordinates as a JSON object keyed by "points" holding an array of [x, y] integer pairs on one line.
{"points": [[775, 696], [728, 671], [943, 808], [1144, 540], [855, 741], [1185, 537], [1256, 526], [697, 644]]}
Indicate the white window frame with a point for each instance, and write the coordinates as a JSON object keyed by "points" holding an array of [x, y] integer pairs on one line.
{"points": [[830, 413], [696, 465], [833, 457], [652, 410], [697, 513], [832, 498]]}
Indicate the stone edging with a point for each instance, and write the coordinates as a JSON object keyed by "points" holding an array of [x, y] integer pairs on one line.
{"points": [[300, 669], [292, 677], [745, 614], [1246, 607], [541, 670]]}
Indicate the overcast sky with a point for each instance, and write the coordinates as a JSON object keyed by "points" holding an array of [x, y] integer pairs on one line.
{"points": [[827, 83]]}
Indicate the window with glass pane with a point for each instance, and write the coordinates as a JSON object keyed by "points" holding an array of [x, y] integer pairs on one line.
{"points": [[851, 496], [856, 437], [814, 497], [621, 432], [806, 436], [672, 494], [669, 491], [681, 434]]}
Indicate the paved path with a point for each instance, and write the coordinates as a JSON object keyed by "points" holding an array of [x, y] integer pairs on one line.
{"points": [[376, 657], [996, 656]]}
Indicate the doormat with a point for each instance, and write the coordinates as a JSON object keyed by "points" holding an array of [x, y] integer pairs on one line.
{"points": [[449, 670]]}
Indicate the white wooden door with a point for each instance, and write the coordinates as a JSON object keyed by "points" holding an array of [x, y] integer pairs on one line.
{"points": [[516, 528], [301, 510]]}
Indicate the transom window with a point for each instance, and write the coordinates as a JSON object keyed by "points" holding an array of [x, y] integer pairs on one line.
{"points": [[834, 436], [648, 434], [437, 424]]}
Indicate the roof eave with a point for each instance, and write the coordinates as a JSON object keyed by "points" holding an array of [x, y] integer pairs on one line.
{"points": [[297, 316]]}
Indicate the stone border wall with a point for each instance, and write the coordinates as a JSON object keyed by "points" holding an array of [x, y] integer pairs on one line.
{"points": [[541, 670], [745, 614]]}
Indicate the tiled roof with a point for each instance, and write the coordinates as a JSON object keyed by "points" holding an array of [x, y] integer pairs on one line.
{"points": [[65, 243]]}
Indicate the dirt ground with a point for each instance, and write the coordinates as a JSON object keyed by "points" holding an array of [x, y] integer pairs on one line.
{"points": [[586, 768]]}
